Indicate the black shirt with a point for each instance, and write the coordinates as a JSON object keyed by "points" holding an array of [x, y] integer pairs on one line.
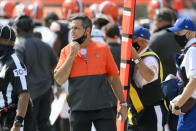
{"points": [[40, 59], [165, 46], [116, 52]]}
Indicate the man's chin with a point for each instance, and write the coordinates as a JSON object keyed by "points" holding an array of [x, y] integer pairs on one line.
{"points": [[73, 39]]}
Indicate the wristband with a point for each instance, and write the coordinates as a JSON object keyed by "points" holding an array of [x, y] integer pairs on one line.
{"points": [[136, 61], [176, 107], [20, 118], [124, 104], [18, 121], [59, 87]]}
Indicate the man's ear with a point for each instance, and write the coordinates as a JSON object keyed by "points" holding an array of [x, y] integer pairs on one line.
{"points": [[115, 37], [188, 34], [191, 34], [105, 37], [143, 43], [88, 31]]}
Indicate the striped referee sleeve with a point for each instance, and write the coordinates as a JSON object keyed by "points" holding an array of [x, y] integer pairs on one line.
{"points": [[20, 72]]}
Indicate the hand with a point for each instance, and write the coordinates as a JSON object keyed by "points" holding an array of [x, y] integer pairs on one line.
{"points": [[123, 113], [134, 53], [174, 111], [14, 128], [75, 46]]}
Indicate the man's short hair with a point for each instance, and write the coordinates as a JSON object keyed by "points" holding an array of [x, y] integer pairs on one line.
{"points": [[165, 14], [23, 23], [86, 21], [50, 17], [112, 30]]}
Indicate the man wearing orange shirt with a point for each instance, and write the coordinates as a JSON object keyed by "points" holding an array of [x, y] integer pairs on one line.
{"points": [[90, 69]]}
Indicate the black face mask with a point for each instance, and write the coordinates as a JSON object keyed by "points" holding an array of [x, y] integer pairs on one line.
{"points": [[81, 39], [136, 46], [5, 49], [181, 40]]}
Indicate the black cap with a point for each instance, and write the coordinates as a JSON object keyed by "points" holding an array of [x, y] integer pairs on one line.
{"points": [[6, 32]]}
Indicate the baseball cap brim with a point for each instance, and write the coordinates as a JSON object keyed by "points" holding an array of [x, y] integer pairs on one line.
{"points": [[174, 29], [183, 24]]}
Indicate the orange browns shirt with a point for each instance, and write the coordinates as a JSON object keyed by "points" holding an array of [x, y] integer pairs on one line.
{"points": [[99, 61]]}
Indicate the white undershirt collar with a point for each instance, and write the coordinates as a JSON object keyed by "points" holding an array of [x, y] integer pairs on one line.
{"points": [[190, 42]]}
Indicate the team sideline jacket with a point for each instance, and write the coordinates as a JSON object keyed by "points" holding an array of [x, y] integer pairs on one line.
{"points": [[88, 79]]}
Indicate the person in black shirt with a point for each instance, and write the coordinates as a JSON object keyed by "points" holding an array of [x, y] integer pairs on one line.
{"points": [[13, 87], [40, 60], [112, 36]]}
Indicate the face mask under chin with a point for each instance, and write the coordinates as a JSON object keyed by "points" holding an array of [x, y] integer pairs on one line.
{"points": [[81, 39]]}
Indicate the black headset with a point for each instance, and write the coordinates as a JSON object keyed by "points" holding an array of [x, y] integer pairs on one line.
{"points": [[23, 23]]}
